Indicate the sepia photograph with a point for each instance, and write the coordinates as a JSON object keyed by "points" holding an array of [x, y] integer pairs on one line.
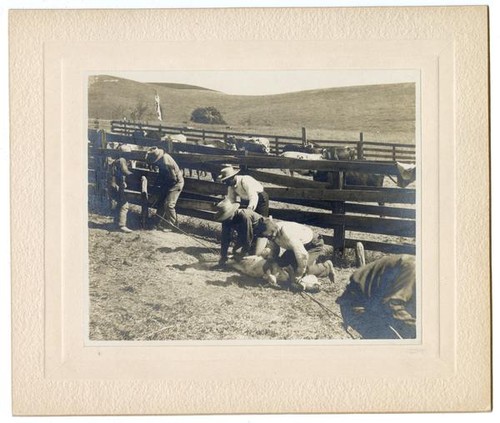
{"points": [[250, 210], [253, 205]]}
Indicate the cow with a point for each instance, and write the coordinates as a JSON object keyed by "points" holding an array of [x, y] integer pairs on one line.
{"points": [[300, 156], [259, 145], [262, 267], [351, 178], [339, 153], [175, 138], [310, 148], [125, 148]]}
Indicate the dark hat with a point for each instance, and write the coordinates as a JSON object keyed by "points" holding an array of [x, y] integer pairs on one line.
{"points": [[225, 210], [154, 154], [227, 172]]}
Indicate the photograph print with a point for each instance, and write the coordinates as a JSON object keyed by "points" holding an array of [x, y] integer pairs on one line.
{"points": [[253, 206]]}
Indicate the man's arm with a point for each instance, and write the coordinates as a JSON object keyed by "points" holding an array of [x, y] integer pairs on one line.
{"points": [[253, 197]]}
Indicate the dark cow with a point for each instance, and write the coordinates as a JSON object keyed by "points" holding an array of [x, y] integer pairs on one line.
{"points": [[339, 153], [351, 178], [259, 145]]}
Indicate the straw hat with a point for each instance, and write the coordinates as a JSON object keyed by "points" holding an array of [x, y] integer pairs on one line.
{"points": [[225, 209], [154, 154], [227, 172]]}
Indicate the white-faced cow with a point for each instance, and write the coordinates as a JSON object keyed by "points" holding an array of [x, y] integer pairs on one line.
{"points": [[259, 145], [300, 156]]}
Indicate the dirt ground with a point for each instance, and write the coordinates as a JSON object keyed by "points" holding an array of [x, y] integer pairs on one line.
{"points": [[151, 285]]}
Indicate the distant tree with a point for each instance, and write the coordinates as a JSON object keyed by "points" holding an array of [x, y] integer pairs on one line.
{"points": [[207, 115], [119, 112], [139, 112]]}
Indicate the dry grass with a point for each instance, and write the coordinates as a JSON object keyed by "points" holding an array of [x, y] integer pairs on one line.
{"points": [[381, 112], [152, 285]]}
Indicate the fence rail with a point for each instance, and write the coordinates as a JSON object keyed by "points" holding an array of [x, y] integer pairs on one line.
{"points": [[365, 149], [341, 208]]}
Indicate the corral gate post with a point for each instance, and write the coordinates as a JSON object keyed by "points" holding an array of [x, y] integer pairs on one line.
{"points": [[304, 137], [360, 147], [336, 181], [276, 146], [101, 171]]}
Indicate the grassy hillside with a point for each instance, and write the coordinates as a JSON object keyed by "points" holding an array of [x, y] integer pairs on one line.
{"points": [[385, 112]]}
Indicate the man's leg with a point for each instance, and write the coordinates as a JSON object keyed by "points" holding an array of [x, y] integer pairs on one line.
{"points": [[122, 217], [170, 202]]}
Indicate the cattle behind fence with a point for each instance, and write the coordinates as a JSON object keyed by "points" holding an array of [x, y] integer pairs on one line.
{"points": [[331, 204], [369, 150]]}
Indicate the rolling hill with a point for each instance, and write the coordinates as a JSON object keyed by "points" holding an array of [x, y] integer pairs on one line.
{"points": [[387, 109]]}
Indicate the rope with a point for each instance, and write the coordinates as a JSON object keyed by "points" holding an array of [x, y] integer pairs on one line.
{"points": [[328, 311], [396, 332], [188, 235]]}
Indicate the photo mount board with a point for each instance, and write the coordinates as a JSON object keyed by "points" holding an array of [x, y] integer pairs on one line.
{"points": [[52, 366]]}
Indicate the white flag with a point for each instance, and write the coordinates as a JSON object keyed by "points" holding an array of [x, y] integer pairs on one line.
{"points": [[158, 106]]}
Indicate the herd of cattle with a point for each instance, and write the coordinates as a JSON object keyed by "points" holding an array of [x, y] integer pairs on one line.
{"points": [[261, 145]]}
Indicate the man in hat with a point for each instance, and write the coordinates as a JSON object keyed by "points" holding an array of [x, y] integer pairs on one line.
{"points": [[302, 248], [243, 222], [117, 184], [246, 188], [379, 301], [171, 181]]}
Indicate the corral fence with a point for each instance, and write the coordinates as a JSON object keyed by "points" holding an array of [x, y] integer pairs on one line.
{"points": [[367, 150], [389, 212]]}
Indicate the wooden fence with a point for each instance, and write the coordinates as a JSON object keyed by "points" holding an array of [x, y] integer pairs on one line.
{"points": [[333, 204], [368, 150]]}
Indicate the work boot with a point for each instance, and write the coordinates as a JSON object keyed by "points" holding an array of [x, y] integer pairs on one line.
{"points": [[125, 229]]}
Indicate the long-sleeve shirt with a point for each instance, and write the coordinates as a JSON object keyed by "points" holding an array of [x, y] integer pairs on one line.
{"points": [[293, 236], [246, 188], [169, 172], [243, 222]]}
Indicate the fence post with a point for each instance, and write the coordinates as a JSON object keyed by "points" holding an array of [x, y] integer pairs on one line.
{"points": [[276, 146], [101, 174], [336, 181], [304, 137], [360, 147], [394, 153], [203, 135], [170, 146]]}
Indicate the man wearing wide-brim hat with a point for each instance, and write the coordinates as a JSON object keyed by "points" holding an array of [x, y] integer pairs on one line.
{"points": [[171, 181], [245, 187], [243, 222]]}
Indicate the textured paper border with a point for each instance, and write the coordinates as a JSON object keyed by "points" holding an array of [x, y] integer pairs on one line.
{"points": [[55, 374]]}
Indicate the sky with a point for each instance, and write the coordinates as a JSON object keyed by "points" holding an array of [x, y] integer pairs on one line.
{"points": [[243, 82]]}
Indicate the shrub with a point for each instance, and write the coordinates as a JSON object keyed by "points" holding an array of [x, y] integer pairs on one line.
{"points": [[207, 115]]}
